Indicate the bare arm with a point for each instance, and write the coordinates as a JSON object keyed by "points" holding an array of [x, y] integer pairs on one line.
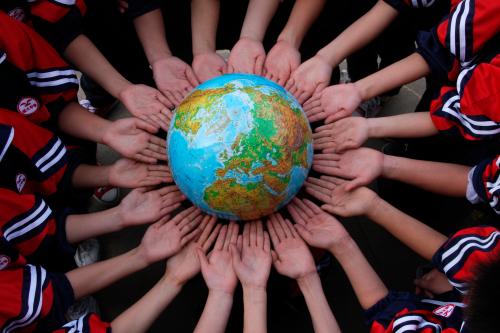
{"points": [[321, 314], [258, 17], [78, 122], [443, 178], [88, 176], [404, 71], [204, 21], [216, 312], [303, 15], [87, 58], [140, 316], [85, 226], [255, 314], [419, 237], [409, 125], [360, 33], [151, 32]]}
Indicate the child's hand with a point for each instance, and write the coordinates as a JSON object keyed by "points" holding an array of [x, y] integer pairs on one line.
{"points": [[317, 228], [148, 104], [281, 61], [432, 284], [338, 200], [336, 102], [252, 256], [247, 56], [344, 134], [166, 237], [217, 270], [130, 138], [309, 79], [142, 206], [362, 165], [291, 256], [185, 264], [174, 78], [208, 65], [131, 174]]}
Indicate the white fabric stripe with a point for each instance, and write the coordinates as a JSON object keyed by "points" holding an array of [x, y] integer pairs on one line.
{"points": [[415, 3], [59, 82], [3, 57], [80, 324], [66, 2], [40, 298], [27, 219], [54, 160], [454, 248], [452, 24], [478, 245], [31, 303], [49, 154], [431, 301], [30, 226], [463, 32], [466, 121], [461, 76], [7, 144], [492, 186], [413, 327], [494, 203], [46, 75]]}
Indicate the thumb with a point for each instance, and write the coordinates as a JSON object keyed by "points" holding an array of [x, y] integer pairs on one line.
{"points": [[235, 255], [203, 258], [355, 183], [143, 125], [330, 209], [303, 232], [259, 64], [274, 256]]}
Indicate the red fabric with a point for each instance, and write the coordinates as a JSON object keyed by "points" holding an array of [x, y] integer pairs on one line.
{"points": [[54, 11]]}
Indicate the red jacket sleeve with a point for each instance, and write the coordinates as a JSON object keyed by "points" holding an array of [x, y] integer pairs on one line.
{"points": [[89, 323], [464, 251]]}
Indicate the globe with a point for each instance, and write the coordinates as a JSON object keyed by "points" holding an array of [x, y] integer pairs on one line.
{"points": [[239, 147]]}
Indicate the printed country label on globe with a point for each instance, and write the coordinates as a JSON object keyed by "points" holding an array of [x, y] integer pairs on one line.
{"points": [[240, 147]]}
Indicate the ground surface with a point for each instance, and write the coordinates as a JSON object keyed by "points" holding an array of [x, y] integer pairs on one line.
{"points": [[394, 262]]}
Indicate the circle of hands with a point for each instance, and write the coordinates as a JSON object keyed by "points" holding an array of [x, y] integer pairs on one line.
{"points": [[194, 241]]}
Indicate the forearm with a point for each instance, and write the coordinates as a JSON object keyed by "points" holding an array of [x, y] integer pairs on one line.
{"points": [[140, 316], [321, 314], [303, 15], [416, 235], [85, 226], [216, 313], [360, 33], [259, 15], [367, 285], [404, 71], [408, 125], [78, 122], [255, 310], [151, 32], [442, 178], [88, 59], [92, 278], [90, 176], [204, 21]]}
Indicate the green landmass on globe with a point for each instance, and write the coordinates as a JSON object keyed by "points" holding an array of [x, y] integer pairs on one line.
{"points": [[239, 147]]}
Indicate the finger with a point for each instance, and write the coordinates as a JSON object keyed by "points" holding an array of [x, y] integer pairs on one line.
{"points": [[150, 121], [321, 183], [187, 225], [309, 213], [356, 183], [161, 142], [213, 235], [219, 243], [246, 235], [290, 83], [229, 235], [278, 228], [267, 242], [332, 171], [259, 64], [315, 208], [235, 255], [178, 218], [168, 94], [312, 102], [164, 100], [207, 225], [292, 209], [303, 96], [203, 259], [179, 96], [302, 216], [154, 154], [191, 236], [272, 233], [234, 236], [145, 159], [163, 121], [331, 209], [253, 234], [318, 188], [333, 180], [303, 232], [318, 195], [281, 227], [337, 116], [192, 79], [167, 189], [169, 209], [275, 257], [259, 234], [144, 125], [327, 157]]}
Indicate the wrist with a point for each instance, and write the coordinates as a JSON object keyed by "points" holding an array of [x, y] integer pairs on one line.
{"points": [[377, 206], [254, 295], [305, 282], [138, 259], [389, 166], [158, 60], [172, 280], [342, 246], [362, 89], [220, 294], [324, 58], [289, 37]]}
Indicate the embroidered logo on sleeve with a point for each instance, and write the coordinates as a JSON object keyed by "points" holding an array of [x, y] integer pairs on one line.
{"points": [[4, 261], [20, 181], [17, 14], [27, 106], [445, 310]]}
